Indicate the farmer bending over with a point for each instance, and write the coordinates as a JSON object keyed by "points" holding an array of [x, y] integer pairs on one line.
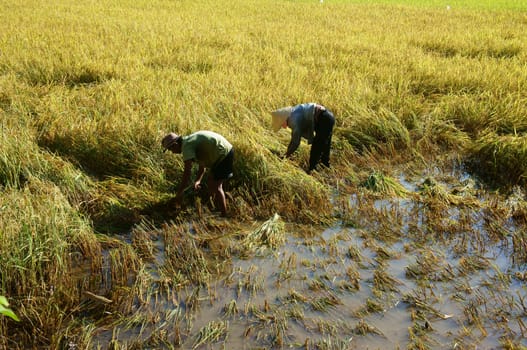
{"points": [[310, 121], [209, 150]]}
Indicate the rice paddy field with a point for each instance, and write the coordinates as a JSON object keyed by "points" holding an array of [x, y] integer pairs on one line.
{"points": [[415, 238]]}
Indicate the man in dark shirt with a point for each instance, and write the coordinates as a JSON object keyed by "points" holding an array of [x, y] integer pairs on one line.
{"points": [[311, 121]]}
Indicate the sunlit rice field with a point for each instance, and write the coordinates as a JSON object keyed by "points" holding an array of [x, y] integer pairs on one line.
{"points": [[414, 238]]}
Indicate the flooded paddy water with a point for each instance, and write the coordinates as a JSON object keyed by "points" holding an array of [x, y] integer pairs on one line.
{"points": [[441, 266]]}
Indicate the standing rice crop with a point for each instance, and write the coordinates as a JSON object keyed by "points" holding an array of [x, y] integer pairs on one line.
{"points": [[502, 159], [45, 241]]}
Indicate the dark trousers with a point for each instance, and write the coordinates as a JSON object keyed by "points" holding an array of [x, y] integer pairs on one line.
{"points": [[321, 146]]}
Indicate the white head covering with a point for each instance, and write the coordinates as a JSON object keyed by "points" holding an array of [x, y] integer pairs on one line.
{"points": [[279, 117]]}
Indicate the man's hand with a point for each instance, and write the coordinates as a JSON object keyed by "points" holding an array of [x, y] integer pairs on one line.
{"points": [[197, 185]]}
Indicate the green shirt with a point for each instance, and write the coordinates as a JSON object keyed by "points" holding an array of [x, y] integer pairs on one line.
{"points": [[205, 147]]}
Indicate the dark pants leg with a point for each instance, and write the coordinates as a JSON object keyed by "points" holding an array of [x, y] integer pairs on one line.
{"points": [[321, 146]]}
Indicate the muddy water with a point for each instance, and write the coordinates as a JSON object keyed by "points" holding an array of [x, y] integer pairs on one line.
{"points": [[319, 291]]}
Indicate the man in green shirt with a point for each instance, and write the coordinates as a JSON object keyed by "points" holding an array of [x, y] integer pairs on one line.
{"points": [[211, 151]]}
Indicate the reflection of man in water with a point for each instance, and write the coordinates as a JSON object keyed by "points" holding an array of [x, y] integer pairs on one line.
{"points": [[311, 121], [209, 150]]}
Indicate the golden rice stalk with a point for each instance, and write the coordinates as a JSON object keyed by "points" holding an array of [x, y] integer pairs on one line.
{"points": [[383, 281], [212, 332], [418, 302], [363, 328], [270, 233], [379, 183], [501, 159], [437, 194], [144, 236], [231, 309], [430, 266]]}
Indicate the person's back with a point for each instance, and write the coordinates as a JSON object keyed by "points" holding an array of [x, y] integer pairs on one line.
{"points": [[301, 122], [311, 121], [205, 147]]}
